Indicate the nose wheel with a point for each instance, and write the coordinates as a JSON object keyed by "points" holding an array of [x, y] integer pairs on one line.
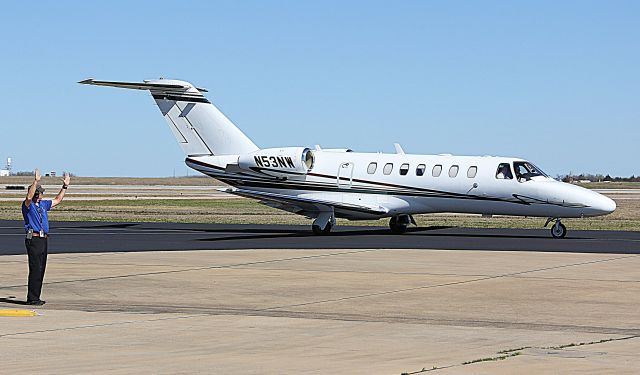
{"points": [[558, 230]]}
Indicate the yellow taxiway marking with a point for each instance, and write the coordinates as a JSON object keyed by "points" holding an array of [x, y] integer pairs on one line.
{"points": [[17, 313]]}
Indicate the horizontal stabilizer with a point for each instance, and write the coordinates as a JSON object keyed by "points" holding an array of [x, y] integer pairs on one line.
{"points": [[145, 85]]}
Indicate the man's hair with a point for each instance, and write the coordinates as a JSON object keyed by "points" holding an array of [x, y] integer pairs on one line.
{"points": [[39, 190]]}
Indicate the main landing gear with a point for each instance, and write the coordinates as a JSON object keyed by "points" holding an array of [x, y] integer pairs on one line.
{"points": [[323, 223], [558, 230], [399, 223]]}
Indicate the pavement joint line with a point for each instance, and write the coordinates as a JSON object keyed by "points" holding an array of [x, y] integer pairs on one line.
{"points": [[101, 325], [445, 284], [429, 274], [229, 311], [117, 264], [575, 279], [363, 272], [194, 268], [510, 354]]}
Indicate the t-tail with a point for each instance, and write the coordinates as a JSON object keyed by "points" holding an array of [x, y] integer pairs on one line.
{"points": [[199, 127]]}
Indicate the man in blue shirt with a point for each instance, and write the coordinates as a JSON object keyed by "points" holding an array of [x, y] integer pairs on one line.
{"points": [[36, 225]]}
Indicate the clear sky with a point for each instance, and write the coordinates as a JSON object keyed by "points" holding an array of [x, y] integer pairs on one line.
{"points": [[556, 82]]}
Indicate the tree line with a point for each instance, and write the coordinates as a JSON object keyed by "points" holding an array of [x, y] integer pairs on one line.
{"points": [[598, 178]]}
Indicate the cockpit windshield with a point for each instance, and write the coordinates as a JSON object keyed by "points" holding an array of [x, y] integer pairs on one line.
{"points": [[526, 171]]}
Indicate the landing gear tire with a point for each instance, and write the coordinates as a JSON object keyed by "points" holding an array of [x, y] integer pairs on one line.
{"points": [[558, 230], [397, 228], [321, 232]]}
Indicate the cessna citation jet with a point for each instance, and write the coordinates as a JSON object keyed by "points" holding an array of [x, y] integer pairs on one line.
{"points": [[325, 184]]}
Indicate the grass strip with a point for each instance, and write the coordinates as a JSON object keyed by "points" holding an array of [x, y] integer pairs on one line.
{"points": [[246, 211]]}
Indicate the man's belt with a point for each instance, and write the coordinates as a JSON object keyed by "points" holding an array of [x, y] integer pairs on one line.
{"points": [[37, 234]]}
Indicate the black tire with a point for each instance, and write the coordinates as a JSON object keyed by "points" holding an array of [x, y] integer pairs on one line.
{"points": [[558, 230], [395, 227], [321, 232]]}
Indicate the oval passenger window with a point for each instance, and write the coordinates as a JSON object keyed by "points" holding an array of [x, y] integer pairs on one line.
{"points": [[453, 171], [388, 168], [437, 169], [372, 168]]}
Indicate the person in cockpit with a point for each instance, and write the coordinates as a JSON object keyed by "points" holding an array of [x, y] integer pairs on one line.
{"points": [[504, 172]]}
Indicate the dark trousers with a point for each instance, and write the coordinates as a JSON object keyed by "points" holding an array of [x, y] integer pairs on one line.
{"points": [[37, 252]]}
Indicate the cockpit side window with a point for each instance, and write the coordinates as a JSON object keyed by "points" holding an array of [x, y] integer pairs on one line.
{"points": [[526, 171], [504, 172]]}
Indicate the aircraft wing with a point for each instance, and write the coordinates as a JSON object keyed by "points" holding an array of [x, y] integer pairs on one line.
{"points": [[303, 205]]}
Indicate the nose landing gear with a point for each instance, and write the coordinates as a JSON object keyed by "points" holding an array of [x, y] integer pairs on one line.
{"points": [[558, 230]]}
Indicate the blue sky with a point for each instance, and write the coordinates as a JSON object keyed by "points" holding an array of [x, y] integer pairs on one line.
{"points": [[554, 82]]}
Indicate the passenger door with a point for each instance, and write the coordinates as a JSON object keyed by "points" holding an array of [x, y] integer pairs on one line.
{"points": [[344, 178]]}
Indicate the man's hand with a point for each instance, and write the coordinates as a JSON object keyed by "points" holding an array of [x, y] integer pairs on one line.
{"points": [[55, 201], [32, 189]]}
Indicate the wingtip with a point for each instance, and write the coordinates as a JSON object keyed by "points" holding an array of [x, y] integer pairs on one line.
{"points": [[87, 81]]}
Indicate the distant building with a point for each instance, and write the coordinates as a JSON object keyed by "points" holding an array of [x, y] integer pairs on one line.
{"points": [[7, 170]]}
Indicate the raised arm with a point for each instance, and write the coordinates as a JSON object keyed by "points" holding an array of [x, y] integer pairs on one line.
{"points": [[32, 189], [60, 196]]}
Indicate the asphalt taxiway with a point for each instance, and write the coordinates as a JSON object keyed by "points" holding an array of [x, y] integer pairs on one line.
{"points": [[91, 237], [190, 298]]}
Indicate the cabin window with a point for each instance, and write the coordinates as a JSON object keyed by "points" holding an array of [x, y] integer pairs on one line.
{"points": [[504, 172], [437, 169], [420, 169], [404, 169], [388, 168], [472, 171], [371, 169], [453, 171]]}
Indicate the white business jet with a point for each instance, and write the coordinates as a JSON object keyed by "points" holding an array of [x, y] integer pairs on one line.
{"points": [[325, 184]]}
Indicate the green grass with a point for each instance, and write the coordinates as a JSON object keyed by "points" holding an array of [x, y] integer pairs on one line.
{"points": [[246, 211], [611, 185], [496, 358]]}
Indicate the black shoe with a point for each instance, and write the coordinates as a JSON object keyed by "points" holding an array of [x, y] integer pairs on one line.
{"points": [[36, 302]]}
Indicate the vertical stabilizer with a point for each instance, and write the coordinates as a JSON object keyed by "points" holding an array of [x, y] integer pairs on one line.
{"points": [[199, 127]]}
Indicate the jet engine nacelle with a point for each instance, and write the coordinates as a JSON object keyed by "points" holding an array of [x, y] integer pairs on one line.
{"points": [[279, 162]]}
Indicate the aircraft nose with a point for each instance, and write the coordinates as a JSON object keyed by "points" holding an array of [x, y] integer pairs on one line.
{"points": [[605, 205]]}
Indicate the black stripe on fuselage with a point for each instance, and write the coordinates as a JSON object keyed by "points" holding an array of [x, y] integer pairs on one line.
{"points": [[292, 184], [274, 183], [182, 98]]}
